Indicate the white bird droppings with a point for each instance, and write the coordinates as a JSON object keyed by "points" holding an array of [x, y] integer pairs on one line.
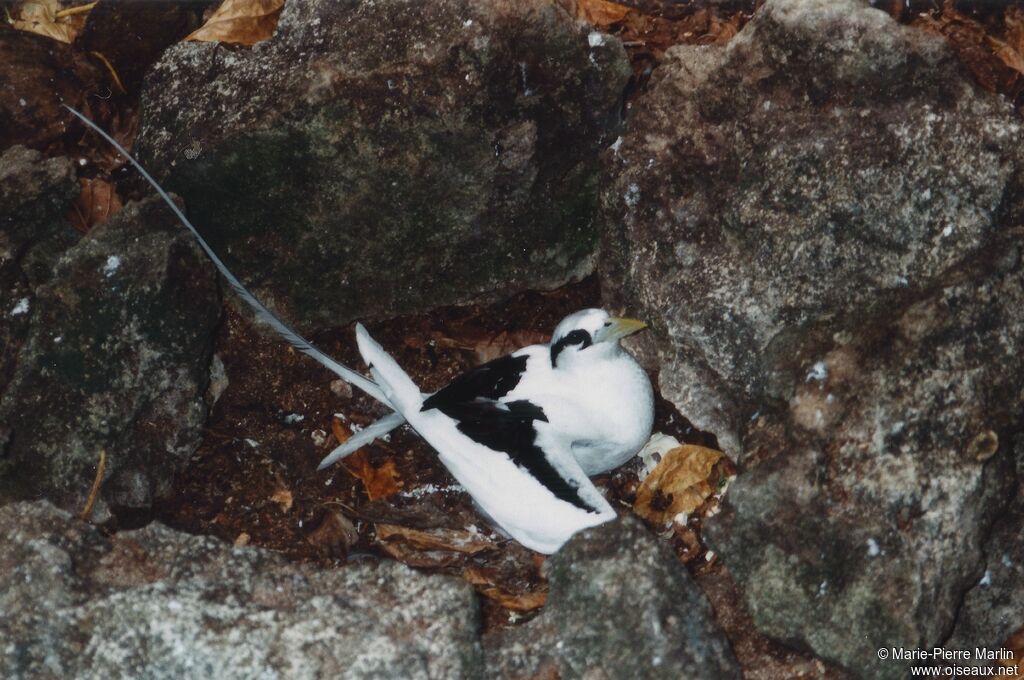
{"points": [[293, 418], [595, 39], [632, 196], [873, 549], [21, 307], [986, 580], [112, 265], [819, 372]]}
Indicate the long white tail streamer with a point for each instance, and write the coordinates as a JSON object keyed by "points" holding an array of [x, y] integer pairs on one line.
{"points": [[300, 343]]}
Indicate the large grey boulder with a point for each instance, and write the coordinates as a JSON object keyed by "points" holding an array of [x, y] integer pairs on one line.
{"points": [[451, 144], [620, 606], [116, 356], [156, 603], [820, 220], [35, 194], [993, 610], [824, 168]]}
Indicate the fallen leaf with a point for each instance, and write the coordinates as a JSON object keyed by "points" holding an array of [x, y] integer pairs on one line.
{"points": [[46, 17], [283, 497], [679, 483], [340, 430], [601, 13], [520, 602], [242, 22], [379, 482], [450, 540], [242, 539], [975, 48], [335, 535], [96, 202]]}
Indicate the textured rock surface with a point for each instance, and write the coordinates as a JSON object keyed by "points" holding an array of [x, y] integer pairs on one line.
{"points": [[452, 144], [825, 167], [38, 75], [993, 609], [156, 603], [620, 606], [820, 220], [34, 195], [116, 356]]}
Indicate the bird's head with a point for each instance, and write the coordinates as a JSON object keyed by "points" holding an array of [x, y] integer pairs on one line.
{"points": [[589, 334]]}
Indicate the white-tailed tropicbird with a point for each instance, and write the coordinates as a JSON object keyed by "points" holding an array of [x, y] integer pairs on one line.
{"points": [[520, 433], [516, 431]]}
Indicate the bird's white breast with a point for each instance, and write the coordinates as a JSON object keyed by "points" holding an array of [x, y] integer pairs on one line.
{"points": [[605, 409]]}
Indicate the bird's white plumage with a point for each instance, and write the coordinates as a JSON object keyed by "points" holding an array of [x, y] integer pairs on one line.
{"points": [[510, 496]]}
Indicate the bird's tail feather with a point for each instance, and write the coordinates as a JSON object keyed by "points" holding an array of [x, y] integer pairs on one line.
{"points": [[396, 384], [362, 438], [284, 330]]}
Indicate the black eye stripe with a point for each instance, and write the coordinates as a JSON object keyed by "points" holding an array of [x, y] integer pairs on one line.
{"points": [[577, 337]]}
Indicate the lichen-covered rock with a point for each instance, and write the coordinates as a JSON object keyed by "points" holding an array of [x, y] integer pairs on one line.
{"points": [[37, 76], [35, 193], [822, 169], [155, 603], [820, 220], [859, 518], [451, 144], [620, 606], [993, 610], [116, 357]]}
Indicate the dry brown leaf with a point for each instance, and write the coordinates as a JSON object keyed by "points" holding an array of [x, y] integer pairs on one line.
{"points": [[334, 535], [340, 430], [519, 602], [379, 482], [242, 22], [283, 497], [601, 13], [242, 539], [975, 48], [44, 17], [451, 540], [96, 202], [1008, 54], [679, 483]]}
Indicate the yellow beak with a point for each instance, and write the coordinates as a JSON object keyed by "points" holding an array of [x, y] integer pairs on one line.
{"points": [[620, 328]]}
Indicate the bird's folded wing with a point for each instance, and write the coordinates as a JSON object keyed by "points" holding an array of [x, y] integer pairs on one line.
{"points": [[492, 380]]}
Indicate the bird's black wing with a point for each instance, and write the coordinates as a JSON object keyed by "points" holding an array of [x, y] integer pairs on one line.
{"points": [[492, 381], [510, 427]]}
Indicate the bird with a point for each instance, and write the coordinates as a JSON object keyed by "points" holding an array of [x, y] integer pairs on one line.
{"points": [[522, 433]]}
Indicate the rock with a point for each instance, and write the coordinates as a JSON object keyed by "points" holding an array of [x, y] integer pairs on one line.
{"points": [[819, 218], [157, 603], [993, 608], [116, 356], [620, 606], [38, 75], [451, 144], [826, 167], [35, 194]]}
